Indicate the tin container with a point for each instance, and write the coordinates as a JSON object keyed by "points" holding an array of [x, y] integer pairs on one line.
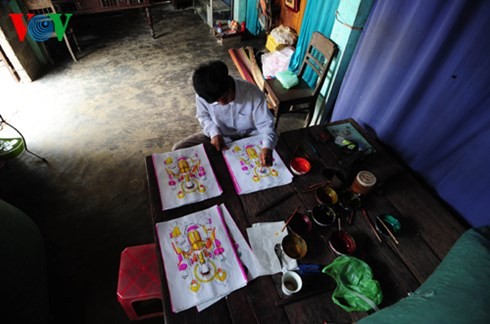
{"points": [[363, 183]]}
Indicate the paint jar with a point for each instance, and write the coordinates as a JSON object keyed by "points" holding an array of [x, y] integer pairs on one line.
{"points": [[363, 183]]}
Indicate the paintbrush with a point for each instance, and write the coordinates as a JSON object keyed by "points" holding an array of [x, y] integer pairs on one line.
{"points": [[315, 186], [371, 224], [289, 218], [387, 229]]}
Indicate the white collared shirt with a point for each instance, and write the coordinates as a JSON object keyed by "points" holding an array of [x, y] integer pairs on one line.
{"points": [[246, 115]]}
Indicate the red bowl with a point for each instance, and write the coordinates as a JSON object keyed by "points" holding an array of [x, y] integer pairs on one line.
{"points": [[300, 165]]}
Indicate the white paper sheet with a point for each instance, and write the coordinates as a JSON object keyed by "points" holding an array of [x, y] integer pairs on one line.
{"points": [[248, 258], [243, 161], [263, 237], [185, 176], [200, 261]]}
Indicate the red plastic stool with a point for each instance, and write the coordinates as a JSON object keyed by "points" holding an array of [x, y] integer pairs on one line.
{"points": [[139, 289]]}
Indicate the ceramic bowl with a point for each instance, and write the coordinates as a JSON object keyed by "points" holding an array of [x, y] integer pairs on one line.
{"points": [[294, 246], [300, 224], [326, 195], [323, 215], [300, 166], [342, 243]]}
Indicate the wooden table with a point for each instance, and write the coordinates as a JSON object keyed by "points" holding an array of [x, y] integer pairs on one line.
{"points": [[429, 229]]}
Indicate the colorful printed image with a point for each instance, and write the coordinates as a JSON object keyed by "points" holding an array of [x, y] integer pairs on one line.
{"points": [[243, 161], [199, 259], [185, 176]]}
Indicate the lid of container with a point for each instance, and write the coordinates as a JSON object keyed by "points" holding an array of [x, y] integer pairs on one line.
{"points": [[366, 178]]}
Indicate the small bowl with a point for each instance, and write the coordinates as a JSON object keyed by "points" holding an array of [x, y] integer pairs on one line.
{"points": [[391, 222], [294, 246], [300, 224], [300, 165], [323, 215], [326, 195], [350, 200], [342, 243]]}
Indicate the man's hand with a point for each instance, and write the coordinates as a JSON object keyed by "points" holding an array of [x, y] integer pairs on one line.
{"points": [[218, 142], [266, 157]]}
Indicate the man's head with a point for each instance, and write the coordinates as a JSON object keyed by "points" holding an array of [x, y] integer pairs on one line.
{"points": [[212, 82]]}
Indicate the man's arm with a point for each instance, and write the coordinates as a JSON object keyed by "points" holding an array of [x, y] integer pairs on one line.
{"points": [[208, 126], [264, 122]]}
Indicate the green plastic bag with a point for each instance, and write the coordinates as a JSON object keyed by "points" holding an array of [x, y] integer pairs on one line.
{"points": [[356, 289]]}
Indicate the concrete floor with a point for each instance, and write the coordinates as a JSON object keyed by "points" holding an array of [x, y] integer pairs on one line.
{"points": [[95, 121]]}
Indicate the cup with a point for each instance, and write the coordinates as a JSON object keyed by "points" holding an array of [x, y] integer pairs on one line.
{"points": [[323, 215], [363, 183], [294, 246], [291, 283]]}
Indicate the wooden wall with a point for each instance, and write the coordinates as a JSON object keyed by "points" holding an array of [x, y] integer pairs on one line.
{"points": [[285, 16]]}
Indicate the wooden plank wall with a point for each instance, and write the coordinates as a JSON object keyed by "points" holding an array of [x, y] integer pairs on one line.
{"points": [[288, 17]]}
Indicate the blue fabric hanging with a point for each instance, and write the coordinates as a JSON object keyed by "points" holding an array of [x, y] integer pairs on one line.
{"points": [[319, 16], [420, 79], [252, 18]]}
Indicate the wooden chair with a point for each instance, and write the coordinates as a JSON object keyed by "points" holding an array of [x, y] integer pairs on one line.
{"points": [[39, 7], [318, 57]]}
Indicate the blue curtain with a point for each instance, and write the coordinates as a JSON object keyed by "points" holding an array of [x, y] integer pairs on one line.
{"points": [[252, 18], [420, 79], [319, 16]]}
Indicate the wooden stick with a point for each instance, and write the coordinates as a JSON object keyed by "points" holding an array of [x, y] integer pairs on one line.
{"points": [[371, 224], [315, 186], [351, 217], [289, 218], [275, 203], [389, 232]]}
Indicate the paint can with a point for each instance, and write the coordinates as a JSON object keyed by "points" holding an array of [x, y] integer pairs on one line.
{"points": [[363, 182]]}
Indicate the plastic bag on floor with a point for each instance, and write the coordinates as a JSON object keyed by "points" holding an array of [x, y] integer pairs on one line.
{"points": [[276, 61], [356, 289]]}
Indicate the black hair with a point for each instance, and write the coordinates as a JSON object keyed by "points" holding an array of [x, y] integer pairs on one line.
{"points": [[211, 80]]}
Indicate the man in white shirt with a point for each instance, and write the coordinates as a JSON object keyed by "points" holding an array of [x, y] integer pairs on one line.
{"points": [[229, 109]]}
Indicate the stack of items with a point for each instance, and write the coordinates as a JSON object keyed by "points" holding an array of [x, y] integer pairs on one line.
{"points": [[246, 64]]}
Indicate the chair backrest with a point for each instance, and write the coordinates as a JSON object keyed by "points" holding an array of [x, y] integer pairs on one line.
{"points": [[318, 57], [40, 6]]}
